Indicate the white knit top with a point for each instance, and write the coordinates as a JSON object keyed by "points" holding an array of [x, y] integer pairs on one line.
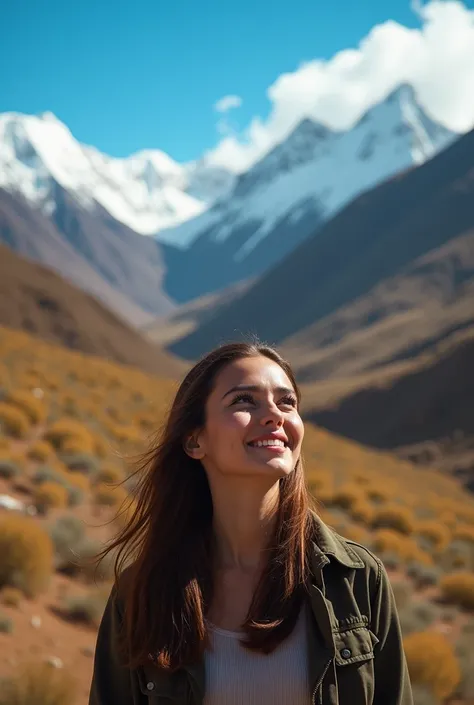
{"points": [[237, 676]]}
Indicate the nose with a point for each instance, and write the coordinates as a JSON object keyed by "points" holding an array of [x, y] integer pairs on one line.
{"points": [[272, 416]]}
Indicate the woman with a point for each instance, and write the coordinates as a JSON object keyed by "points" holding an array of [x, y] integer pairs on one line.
{"points": [[235, 593]]}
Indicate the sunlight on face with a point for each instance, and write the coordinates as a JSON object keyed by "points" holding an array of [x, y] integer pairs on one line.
{"points": [[253, 427]]}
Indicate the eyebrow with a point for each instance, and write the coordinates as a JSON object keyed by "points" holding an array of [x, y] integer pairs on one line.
{"points": [[255, 388]]}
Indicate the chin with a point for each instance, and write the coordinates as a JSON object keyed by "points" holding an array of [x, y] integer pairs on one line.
{"points": [[274, 467]]}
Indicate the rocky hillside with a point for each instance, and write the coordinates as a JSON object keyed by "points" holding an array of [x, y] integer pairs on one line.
{"points": [[33, 298]]}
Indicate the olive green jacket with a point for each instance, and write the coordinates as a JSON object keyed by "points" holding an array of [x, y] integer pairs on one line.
{"points": [[355, 653]]}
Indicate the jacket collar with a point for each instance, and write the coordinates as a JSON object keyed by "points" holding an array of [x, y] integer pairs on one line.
{"points": [[329, 544]]}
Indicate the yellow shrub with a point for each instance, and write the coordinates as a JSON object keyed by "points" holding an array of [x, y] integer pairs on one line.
{"points": [[361, 477], [464, 532], [4, 444], [41, 451], [78, 479], [356, 533], [126, 434], [14, 421], [109, 496], [77, 444], [66, 434], [39, 683], [110, 475], [432, 662], [378, 494], [146, 423], [324, 495], [11, 596], [101, 447], [317, 479], [390, 541], [51, 495], [459, 588], [26, 554], [448, 519], [438, 535], [363, 512], [32, 407], [466, 515], [347, 496], [397, 518]]}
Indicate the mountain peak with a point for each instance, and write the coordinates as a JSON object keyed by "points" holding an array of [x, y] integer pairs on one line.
{"points": [[147, 191], [48, 116], [404, 91]]}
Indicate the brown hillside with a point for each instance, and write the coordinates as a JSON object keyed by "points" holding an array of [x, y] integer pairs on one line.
{"points": [[36, 299], [422, 408], [188, 317], [397, 320]]}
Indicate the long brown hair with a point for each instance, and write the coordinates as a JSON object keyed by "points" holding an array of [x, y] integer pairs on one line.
{"points": [[168, 540]]}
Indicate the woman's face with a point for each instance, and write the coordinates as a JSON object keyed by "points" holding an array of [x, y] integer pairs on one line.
{"points": [[252, 422]]}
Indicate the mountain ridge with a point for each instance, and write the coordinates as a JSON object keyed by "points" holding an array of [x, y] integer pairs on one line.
{"points": [[370, 239], [300, 184]]}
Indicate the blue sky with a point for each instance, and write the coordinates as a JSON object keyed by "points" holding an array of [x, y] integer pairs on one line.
{"points": [[146, 74]]}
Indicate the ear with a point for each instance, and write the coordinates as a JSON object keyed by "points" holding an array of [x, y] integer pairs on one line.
{"points": [[193, 448]]}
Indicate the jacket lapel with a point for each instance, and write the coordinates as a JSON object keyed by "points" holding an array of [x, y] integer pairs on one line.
{"points": [[321, 625]]}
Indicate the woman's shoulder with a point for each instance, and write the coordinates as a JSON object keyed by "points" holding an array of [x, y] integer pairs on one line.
{"points": [[346, 551]]}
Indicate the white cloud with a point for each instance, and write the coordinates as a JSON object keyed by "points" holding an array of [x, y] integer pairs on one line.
{"points": [[227, 103], [437, 59]]}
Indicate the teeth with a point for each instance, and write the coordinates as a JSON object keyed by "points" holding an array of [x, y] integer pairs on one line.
{"points": [[272, 442]]}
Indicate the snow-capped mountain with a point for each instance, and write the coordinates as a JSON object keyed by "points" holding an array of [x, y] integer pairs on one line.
{"points": [[301, 183], [212, 227], [319, 164], [147, 191]]}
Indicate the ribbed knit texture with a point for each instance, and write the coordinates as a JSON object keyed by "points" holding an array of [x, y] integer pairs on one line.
{"points": [[237, 676]]}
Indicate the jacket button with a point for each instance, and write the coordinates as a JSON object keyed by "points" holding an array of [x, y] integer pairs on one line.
{"points": [[150, 685], [346, 653]]}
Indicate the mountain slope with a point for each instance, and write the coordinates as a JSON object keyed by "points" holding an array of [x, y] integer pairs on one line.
{"points": [[131, 263], [30, 233], [188, 317], [397, 320], [36, 299], [301, 183], [373, 238], [421, 408]]}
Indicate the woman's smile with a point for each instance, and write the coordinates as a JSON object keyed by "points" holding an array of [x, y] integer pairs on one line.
{"points": [[271, 447]]}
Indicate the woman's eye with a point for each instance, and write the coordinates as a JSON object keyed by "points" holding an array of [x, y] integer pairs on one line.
{"points": [[248, 399], [243, 397], [289, 401]]}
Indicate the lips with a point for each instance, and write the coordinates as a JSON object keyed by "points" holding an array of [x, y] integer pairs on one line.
{"points": [[270, 440], [268, 444]]}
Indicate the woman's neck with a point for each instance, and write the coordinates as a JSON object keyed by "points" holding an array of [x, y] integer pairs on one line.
{"points": [[244, 519]]}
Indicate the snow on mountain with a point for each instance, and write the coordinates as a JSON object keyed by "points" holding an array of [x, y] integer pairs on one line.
{"points": [[314, 170], [147, 191], [316, 167]]}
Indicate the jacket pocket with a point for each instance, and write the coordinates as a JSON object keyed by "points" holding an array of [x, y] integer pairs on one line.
{"points": [[148, 684], [354, 645], [162, 687]]}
